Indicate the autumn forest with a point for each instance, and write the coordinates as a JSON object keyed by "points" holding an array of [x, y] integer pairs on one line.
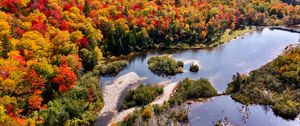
{"points": [[52, 51]]}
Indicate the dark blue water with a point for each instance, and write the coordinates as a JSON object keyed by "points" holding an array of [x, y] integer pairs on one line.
{"points": [[241, 55]]}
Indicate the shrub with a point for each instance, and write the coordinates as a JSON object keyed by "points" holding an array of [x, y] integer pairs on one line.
{"points": [[182, 115], [89, 59], [147, 113], [165, 117], [113, 67], [114, 124], [194, 68], [180, 63], [288, 110], [141, 96], [130, 119], [158, 109], [192, 89], [235, 85], [164, 65]]}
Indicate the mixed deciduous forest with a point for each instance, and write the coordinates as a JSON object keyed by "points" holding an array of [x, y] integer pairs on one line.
{"points": [[49, 48]]}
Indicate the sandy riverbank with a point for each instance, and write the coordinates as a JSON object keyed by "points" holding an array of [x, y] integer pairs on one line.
{"points": [[168, 90], [191, 62], [112, 95]]}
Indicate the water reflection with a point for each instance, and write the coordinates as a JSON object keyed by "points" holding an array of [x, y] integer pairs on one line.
{"points": [[224, 107], [241, 55], [220, 63]]}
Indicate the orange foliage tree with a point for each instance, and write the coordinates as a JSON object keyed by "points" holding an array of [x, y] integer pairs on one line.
{"points": [[66, 79]]}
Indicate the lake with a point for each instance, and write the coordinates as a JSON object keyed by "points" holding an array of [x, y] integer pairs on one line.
{"points": [[219, 64]]}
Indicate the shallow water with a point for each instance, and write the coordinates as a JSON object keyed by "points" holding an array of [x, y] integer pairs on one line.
{"points": [[219, 64], [206, 114]]}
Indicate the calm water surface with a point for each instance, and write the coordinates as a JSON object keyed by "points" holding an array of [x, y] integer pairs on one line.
{"points": [[219, 64], [206, 114]]}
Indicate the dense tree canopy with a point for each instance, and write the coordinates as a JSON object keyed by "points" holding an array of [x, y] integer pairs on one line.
{"points": [[141, 96]]}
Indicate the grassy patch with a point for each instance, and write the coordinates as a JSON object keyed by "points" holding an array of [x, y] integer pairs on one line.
{"points": [[229, 35]]}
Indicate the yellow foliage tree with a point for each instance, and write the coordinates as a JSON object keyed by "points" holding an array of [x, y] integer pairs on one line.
{"points": [[147, 113], [62, 44], [34, 42], [11, 76]]}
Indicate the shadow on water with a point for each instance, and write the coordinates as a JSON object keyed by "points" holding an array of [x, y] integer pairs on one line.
{"points": [[103, 120], [127, 89]]}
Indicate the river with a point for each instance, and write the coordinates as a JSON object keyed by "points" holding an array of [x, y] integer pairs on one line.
{"points": [[219, 64]]}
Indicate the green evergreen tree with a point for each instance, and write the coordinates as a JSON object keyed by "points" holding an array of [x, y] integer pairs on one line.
{"points": [[5, 47], [112, 43], [132, 41], [120, 45], [177, 3], [86, 8]]}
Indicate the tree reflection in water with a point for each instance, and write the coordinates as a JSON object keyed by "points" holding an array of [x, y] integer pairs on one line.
{"points": [[245, 111]]}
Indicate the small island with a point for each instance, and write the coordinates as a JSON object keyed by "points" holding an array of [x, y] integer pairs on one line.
{"points": [[164, 65], [194, 68], [189, 89]]}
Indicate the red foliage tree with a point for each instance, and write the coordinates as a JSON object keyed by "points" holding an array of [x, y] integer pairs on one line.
{"points": [[35, 101], [56, 14], [34, 79], [137, 7], [84, 42], [10, 110], [65, 26], [20, 31], [66, 79], [72, 61], [11, 5], [39, 25], [21, 59], [117, 16], [39, 4]]}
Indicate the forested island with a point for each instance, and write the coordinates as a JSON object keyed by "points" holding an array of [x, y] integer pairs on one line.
{"points": [[53, 54]]}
